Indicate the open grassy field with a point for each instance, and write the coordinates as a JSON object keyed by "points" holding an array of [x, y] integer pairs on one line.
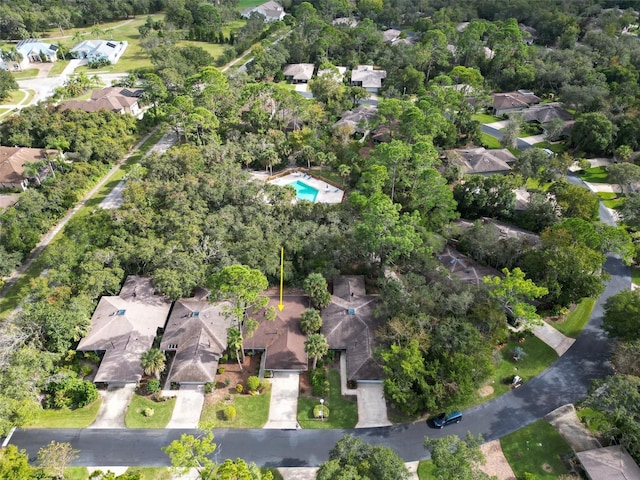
{"points": [[484, 118], [58, 68], [343, 413], [15, 97], [576, 319], [252, 411], [536, 449], [65, 418], [248, 3], [554, 147]]}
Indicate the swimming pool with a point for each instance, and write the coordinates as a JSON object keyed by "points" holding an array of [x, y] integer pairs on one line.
{"points": [[304, 191]]}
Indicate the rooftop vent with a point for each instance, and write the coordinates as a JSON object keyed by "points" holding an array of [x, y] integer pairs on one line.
{"points": [[121, 312], [351, 311], [195, 314], [112, 45]]}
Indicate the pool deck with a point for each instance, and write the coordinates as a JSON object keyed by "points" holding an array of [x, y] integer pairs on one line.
{"points": [[326, 193]]}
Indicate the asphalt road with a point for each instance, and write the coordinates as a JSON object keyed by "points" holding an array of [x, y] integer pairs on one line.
{"points": [[566, 381]]}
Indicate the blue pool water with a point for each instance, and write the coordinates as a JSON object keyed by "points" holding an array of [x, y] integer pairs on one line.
{"points": [[304, 191]]}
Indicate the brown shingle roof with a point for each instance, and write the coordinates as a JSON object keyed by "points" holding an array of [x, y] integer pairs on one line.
{"points": [[125, 326], [349, 324], [197, 332], [518, 99], [281, 339], [546, 113], [13, 160]]}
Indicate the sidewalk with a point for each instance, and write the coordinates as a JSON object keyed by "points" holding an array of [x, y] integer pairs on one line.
{"points": [[554, 338]]}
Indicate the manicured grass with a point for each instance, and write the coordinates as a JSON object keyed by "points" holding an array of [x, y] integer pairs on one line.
{"points": [[248, 3], [596, 422], [162, 412], [32, 93], [538, 357], [484, 118], [14, 98], [24, 74], [213, 49], [252, 411], [533, 184], [65, 418], [329, 174], [58, 68], [610, 199], [76, 473], [425, 470], [594, 175], [554, 147], [343, 413], [537, 449], [576, 319], [3, 111], [489, 142], [635, 275]]}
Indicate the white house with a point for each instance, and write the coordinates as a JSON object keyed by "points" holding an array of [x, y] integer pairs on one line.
{"points": [[35, 51], [95, 50], [271, 11]]}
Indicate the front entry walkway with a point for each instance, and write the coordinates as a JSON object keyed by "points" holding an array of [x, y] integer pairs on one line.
{"points": [[115, 401], [189, 402], [283, 409], [372, 407], [554, 338]]}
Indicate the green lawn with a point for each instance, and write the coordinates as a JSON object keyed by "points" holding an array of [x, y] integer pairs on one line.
{"points": [[536, 449], [58, 68], [594, 175], [554, 147], [635, 275], [425, 470], [484, 118], [65, 418], [14, 98], [533, 184], [537, 359], [249, 3], [576, 319], [152, 473], [610, 199], [162, 413], [213, 49], [24, 74], [489, 142], [343, 413], [252, 411], [3, 111]]}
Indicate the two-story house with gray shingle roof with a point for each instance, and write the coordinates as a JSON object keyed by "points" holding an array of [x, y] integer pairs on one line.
{"points": [[271, 11]]}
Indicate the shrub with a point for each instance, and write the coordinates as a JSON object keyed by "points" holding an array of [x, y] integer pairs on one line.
{"points": [[209, 387], [227, 381], [220, 370], [224, 358], [153, 385], [85, 370], [148, 412], [518, 353], [317, 377], [253, 383], [264, 385], [239, 388], [229, 412], [321, 411], [70, 392], [268, 374]]}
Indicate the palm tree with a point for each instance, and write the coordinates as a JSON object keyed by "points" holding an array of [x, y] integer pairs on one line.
{"points": [[32, 169], [78, 36], [153, 362], [316, 346], [310, 321], [344, 171], [234, 342]]}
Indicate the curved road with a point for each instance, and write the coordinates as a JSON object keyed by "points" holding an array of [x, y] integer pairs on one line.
{"points": [[566, 381]]}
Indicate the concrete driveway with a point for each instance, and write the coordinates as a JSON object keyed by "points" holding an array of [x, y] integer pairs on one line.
{"points": [[372, 407], [554, 338], [283, 409], [115, 401], [189, 402]]}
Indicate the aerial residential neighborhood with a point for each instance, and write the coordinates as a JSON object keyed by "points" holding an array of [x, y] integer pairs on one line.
{"points": [[319, 240]]}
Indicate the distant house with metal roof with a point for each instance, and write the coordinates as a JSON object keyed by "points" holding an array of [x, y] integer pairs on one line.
{"points": [[197, 333], [298, 72], [349, 325], [36, 51], [271, 11], [367, 77], [99, 50], [123, 327]]}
